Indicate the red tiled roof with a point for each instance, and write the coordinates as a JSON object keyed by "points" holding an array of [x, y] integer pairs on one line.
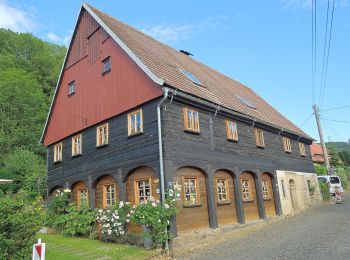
{"points": [[317, 153], [166, 63]]}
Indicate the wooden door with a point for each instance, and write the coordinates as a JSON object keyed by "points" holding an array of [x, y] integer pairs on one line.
{"points": [[267, 190], [250, 202]]}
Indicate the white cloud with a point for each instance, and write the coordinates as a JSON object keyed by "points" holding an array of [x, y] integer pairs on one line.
{"points": [[177, 32], [15, 18], [60, 40], [53, 37]]}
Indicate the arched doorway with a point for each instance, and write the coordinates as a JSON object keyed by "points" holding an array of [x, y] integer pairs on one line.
{"points": [[293, 194], [193, 207], [54, 191], [225, 198], [141, 184], [107, 192], [268, 196], [248, 191], [80, 194]]}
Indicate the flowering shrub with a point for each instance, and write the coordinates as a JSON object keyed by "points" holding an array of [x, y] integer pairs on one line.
{"points": [[67, 219], [113, 221], [155, 217]]}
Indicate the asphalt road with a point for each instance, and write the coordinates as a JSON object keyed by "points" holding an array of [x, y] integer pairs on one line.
{"points": [[318, 233]]}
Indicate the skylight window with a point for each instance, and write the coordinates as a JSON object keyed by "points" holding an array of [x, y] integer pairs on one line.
{"points": [[246, 102], [192, 77]]}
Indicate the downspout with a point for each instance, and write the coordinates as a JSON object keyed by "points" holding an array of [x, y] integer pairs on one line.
{"points": [[161, 163]]}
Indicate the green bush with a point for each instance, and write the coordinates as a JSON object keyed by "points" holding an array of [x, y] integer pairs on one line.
{"points": [[155, 217], [326, 195], [20, 220], [320, 169], [343, 174], [67, 219]]}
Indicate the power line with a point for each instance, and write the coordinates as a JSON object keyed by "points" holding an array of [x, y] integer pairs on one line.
{"points": [[306, 120], [322, 90], [338, 121], [331, 129], [335, 108]]}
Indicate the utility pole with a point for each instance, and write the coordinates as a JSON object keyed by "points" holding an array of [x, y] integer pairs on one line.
{"points": [[324, 149]]}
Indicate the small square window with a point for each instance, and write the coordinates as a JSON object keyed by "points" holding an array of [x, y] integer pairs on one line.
{"points": [[109, 195], [302, 149], [57, 152], [191, 190], [191, 120], [231, 130], [106, 65], [71, 88], [259, 138], [286, 144], [143, 190], [102, 133], [76, 145], [135, 123]]}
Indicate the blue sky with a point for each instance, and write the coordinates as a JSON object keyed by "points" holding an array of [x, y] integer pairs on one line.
{"points": [[264, 44]]}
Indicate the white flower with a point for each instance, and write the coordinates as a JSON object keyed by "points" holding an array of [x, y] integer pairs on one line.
{"points": [[133, 206], [121, 204], [166, 206], [171, 193], [117, 217], [122, 232], [159, 220], [100, 211], [168, 222], [128, 220], [67, 190], [109, 231], [173, 199], [154, 204], [131, 211], [127, 203], [128, 215]]}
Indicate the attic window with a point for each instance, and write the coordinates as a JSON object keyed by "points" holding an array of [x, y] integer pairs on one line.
{"points": [[246, 102], [192, 77], [106, 65], [71, 88]]}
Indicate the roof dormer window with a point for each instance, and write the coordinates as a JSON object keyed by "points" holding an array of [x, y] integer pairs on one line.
{"points": [[246, 102], [192, 77]]}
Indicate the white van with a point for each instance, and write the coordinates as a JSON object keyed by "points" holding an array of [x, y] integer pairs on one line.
{"points": [[333, 181]]}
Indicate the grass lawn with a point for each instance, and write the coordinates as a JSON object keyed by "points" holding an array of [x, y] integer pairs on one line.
{"points": [[60, 247]]}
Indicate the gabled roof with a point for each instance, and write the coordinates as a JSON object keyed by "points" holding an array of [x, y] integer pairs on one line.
{"points": [[166, 66]]}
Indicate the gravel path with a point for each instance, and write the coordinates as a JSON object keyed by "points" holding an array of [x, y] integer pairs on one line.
{"points": [[320, 233]]}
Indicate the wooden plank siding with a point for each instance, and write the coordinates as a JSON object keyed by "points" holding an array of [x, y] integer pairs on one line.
{"points": [[226, 212], [97, 97], [269, 203], [190, 218]]}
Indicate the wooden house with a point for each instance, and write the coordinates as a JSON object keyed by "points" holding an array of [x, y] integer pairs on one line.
{"points": [[131, 116]]}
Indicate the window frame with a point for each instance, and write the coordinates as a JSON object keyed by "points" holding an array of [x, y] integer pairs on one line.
{"points": [[259, 138], [302, 149], [104, 126], [71, 90], [246, 192], [57, 157], [136, 189], [265, 189], [231, 134], [225, 180], [104, 195], [287, 144], [196, 181], [81, 145], [194, 125], [135, 112], [79, 197], [105, 71]]}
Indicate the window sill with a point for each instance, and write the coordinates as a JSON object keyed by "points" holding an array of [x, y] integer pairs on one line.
{"points": [[224, 202], [194, 205], [76, 155], [71, 94], [135, 134], [106, 72], [248, 200], [267, 199], [57, 162], [260, 147], [192, 131], [101, 145], [232, 140], [288, 151]]}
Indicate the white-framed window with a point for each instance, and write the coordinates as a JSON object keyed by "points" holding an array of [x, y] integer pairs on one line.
{"points": [[259, 138], [109, 195], [222, 186], [265, 189], [191, 120], [286, 144], [106, 65], [191, 190], [102, 133], [82, 197], [302, 149], [76, 144], [71, 88], [245, 190], [231, 130], [57, 152], [135, 122], [143, 190]]}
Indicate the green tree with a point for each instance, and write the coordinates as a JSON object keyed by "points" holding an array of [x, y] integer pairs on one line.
{"points": [[27, 171], [320, 169], [334, 159], [345, 157]]}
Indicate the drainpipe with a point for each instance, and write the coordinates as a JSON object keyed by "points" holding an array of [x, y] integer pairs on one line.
{"points": [[161, 164]]}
